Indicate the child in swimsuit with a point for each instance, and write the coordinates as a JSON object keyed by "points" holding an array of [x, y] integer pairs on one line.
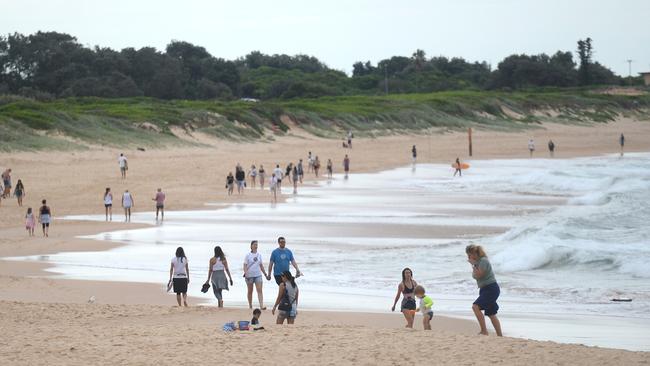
{"points": [[426, 305]]}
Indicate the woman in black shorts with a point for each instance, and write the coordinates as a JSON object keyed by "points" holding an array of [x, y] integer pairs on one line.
{"points": [[406, 289], [179, 275], [44, 217]]}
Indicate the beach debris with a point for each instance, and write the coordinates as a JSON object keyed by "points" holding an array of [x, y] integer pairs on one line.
{"points": [[622, 299], [141, 149], [91, 300]]}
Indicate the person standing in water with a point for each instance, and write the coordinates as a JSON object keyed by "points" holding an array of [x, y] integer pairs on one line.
{"points": [[414, 153], [217, 270], [44, 217], [551, 147], [273, 186], [160, 204], [124, 165], [621, 141], [127, 203], [346, 165], [19, 192], [294, 176], [488, 289], [406, 289], [458, 168], [253, 271], [253, 174], [108, 204], [531, 147], [278, 178], [179, 275], [240, 177], [230, 183], [316, 166]]}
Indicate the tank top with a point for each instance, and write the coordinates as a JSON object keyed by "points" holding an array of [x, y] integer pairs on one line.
{"points": [[128, 200], [108, 199], [408, 292], [218, 265], [291, 291]]}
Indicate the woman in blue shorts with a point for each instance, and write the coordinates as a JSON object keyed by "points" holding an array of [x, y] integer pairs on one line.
{"points": [[488, 288]]}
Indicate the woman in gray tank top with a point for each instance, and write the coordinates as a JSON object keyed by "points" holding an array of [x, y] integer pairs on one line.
{"points": [[289, 289], [488, 288]]}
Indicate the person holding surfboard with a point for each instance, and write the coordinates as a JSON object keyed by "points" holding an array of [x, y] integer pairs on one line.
{"points": [[458, 167]]}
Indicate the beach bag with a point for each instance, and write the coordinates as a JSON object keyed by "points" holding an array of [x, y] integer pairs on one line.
{"points": [[285, 303]]}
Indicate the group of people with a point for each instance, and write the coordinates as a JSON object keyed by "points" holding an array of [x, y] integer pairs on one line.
{"points": [[485, 305], [128, 202], [44, 212], [293, 174], [552, 146], [254, 273]]}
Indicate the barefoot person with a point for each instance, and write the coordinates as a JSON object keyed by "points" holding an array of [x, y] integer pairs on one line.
{"points": [[458, 168], [330, 169], [127, 203], [281, 257], [253, 174], [621, 141], [253, 271], [489, 289], [6, 181], [124, 165], [294, 177], [531, 147], [273, 187], [262, 174], [108, 204], [278, 178], [179, 273], [30, 221], [346, 165], [19, 192], [406, 289], [414, 154], [44, 217], [217, 270], [287, 300], [425, 306], [551, 148], [301, 171], [160, 204], [230, 183]]}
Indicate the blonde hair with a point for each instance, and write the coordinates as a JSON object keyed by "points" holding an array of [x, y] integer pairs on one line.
{"points": [[419, 290], [475, 249]]}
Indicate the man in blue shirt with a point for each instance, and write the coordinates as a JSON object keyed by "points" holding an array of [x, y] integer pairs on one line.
{"points": [[281, 257]]}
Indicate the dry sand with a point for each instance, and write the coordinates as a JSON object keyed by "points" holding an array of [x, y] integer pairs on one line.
{"points": [[129, 324]]}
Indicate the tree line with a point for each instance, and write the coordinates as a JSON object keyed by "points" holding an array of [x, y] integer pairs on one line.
{"points": [[47, 65]]}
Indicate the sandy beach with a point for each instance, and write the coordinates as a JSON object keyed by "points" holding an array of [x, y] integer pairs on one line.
{"points": [[133, 323]]}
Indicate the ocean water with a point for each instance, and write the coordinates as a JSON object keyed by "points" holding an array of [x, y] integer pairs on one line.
{"points": [[564, 236]]}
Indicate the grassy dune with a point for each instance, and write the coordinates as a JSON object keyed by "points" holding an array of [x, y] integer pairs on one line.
{"points": [[75, 123]]}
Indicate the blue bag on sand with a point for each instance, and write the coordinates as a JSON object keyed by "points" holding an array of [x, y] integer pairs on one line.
{"points": [[229, 327]]}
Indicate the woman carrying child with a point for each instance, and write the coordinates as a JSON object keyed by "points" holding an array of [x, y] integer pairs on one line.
{"points": [[488, 288], [406, 289]]}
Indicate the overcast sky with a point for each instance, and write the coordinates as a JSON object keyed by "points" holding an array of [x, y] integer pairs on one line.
{"points": [[342, 32]]}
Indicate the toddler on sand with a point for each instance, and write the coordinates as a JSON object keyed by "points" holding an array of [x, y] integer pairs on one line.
{"points": [[255, 322], [426, 305]]}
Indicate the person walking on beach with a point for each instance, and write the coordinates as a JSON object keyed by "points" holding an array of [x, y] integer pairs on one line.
{"points": [[294, 176], [124, 165], [425, 306], [253, 174], [217, 270], [253, 271], [350, 136], [301, 171], [127, 203], [621, 141], [287, 300], [316, 166], [414, 153], [458, 168], [262, 173], [346, 165], [6, 181], [287, 172], [330, 169], [240, 176], [108, 204], [273, 186], [551, 147], [310, 163], [19, 192], [531, 147], [406, 289], [489, 289], [160, 204], [179, 275], [278, 178], [230, 183], [44, 217], [30, 221], [281, 257]]}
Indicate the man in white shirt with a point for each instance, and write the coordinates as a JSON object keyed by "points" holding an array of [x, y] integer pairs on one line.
{"points": [[278, 175], [124, 165]]}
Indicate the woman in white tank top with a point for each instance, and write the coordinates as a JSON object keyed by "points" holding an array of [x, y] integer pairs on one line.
{"points": [[217, 270]]}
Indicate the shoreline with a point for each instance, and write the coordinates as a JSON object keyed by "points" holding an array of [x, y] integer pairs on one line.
{"points": [[25, 278]]}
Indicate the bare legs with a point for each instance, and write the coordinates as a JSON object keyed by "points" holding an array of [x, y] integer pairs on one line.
{"points": [[109, 213], [409, 316], [178, 299], [260, 295], [481, 321]]}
